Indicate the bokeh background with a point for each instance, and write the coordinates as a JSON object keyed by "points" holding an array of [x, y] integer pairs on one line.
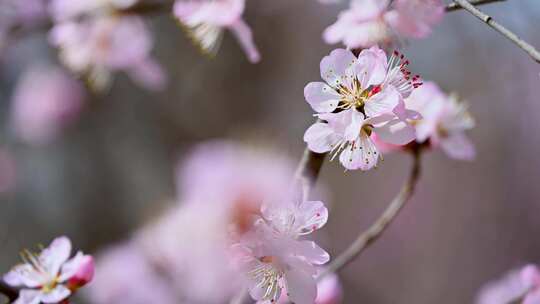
{"points": [[113, 170]]}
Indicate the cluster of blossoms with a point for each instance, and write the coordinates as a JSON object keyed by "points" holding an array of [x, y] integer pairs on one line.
{"points": [[362, 96], [381, 22], [96, 38], [518, 286], [236, 227], [50, 276], [370, 104]]}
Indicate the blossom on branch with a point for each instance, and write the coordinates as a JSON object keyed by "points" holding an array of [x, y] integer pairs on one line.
{"points": [[360, 96], [50, 276], [371, 22], [206, 20], [444, 121]]}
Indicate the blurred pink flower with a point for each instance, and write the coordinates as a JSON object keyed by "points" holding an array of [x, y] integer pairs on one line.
{"points": [[103, 44], [8, 171], [125, 276], [45, 101], [50, 277], [19, 14], [206, 20], [369, 91], [444, 121], [518, 286], [370, 22], [276, 259], [62, 10]]}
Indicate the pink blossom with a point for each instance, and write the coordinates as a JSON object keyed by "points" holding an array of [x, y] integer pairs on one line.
{"points": [[276, 259], [45, 101], [103, 44], [51, 276], [329, 291], [522, 285], [125, 276], [370, 22], [444, 121], [368, 93], [62, 10], [206, 20]]}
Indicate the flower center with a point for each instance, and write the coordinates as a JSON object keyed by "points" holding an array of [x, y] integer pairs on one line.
{"points": [[354, 96], [50, 286]]}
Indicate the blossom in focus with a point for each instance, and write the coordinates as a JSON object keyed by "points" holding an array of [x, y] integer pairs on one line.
{"points": [[45, 101], [360, 96], [369, 22], [276, 259], [522, 285], [206, 20], [94, 41], [50, 277], [444, 121], [124, 275]]}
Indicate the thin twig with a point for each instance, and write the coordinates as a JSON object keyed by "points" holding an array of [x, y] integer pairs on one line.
{"points": [[8, 291], [454, 6], [499, 28], [376, 230], [308, 171]]}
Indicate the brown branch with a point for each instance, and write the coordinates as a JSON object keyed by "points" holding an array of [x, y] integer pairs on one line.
{"points": [[373, 233], [308, 170], [11, 293], [454, 6], [488, 20]]}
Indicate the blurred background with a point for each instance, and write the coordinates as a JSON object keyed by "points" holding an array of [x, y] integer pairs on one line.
{"points": [[113, 169]]}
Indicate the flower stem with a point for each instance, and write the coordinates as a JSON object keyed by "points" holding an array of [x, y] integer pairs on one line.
{"points": [[373, 233], [454, 6], [8, 291], [489, 21]]}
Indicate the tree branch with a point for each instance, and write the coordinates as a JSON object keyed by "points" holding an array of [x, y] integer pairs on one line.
{"points": [[499, 28], [11, 293], [454, 6], [308, 171], [376, 230]]}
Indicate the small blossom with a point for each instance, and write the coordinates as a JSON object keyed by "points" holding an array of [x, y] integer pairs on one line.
{"points": [[51, 276], [370, 22], [518, 286], [46, 100], [361, 96], [444, 121], [206, 20]]}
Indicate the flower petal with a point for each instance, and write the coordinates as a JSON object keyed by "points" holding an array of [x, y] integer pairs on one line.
{"points": [[311, 215], [312, 252], [320, 137], [55, 255], [362, 155], [334, 66], [59, 293], [397, 132], [322, 97], [382, 102], [371, 67], [458, 146], [24, 275], [80, 267], [28, 296], [301, 287], [244, 35]]}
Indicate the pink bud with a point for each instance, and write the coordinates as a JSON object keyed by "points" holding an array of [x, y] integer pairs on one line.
{"points": [[530, 275], [84, 274]]}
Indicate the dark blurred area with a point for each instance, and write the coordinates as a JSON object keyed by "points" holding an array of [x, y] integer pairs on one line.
{"points": [[113, 170]]}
